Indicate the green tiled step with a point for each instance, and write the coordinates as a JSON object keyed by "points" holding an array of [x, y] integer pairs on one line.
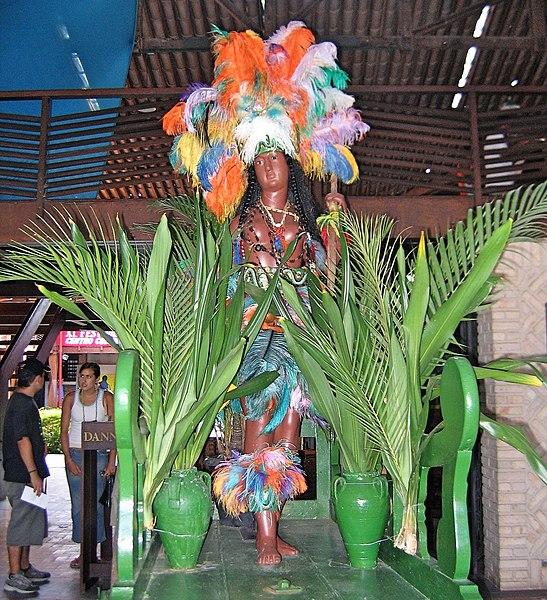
{"points": [[227, 570]]}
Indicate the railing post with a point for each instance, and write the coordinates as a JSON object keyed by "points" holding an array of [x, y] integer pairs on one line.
{"points": [[41, 179], [475, 147]]}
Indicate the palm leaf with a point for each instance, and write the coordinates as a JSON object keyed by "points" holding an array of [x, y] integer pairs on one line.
{"points": [[514, 437], [443, 323]]}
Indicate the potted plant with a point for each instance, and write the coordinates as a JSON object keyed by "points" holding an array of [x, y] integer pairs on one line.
{"points": [[372, 349], [169, 304]]}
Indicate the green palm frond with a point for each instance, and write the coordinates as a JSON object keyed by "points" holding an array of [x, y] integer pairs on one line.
{"points": [[109, 279], [167, 303], [452, 256]]}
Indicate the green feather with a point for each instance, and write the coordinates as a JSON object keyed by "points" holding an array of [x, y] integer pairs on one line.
{"points": [[335, 77], [218, 32]]}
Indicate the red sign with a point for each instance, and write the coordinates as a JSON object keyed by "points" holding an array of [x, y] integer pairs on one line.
{"points": [[84, 338]]}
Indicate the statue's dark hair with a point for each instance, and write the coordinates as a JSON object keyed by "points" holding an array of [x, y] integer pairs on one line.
{"points": [[299, 195]]}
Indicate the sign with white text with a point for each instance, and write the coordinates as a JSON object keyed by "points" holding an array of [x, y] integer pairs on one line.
{"points": [[86, 339]]}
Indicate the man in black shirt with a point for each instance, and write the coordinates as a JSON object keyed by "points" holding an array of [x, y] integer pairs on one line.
{"points": [[24, 464]]}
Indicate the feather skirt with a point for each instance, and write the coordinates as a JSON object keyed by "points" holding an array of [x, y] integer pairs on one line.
{"points": [[269, 353], [261, 481]]}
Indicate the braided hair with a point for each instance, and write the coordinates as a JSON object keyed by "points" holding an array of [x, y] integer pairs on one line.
{"points": [[299, 194]]}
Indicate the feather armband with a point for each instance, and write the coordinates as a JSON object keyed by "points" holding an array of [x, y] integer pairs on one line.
{"points": [[261, 481]]}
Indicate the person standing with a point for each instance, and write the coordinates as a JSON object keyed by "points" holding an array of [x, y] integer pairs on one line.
{"points": [[24, 452], [88, 403]]}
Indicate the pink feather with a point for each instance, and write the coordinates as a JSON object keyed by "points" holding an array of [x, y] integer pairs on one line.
{"points": [[342, 127], [199, 96]]}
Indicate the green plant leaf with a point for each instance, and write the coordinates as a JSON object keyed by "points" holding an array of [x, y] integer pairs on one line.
{"points": [[514, 437], [413, 326], [442, 325], [508, 376], [252, 386]]}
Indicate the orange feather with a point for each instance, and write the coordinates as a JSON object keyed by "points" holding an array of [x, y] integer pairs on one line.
{"points": [[239, 60], [295, 44], [173, 120], [228, 186]]}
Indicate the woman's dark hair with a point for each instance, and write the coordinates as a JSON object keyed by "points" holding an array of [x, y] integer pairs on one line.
{"points": [[94, 367], [299, 195]]}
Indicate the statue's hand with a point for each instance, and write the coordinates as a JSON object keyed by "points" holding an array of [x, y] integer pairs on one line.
{"points": [[335, 201]]}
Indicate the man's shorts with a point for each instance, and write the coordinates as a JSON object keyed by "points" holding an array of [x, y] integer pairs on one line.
{"points": [[28, 523]]}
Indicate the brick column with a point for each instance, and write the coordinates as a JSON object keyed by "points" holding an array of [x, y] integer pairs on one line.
{"points": [[515, 500]]}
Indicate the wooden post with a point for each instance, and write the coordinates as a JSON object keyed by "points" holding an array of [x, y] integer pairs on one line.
{"points": [[475, 148], [41, 182], [331, 243], [95, 436]]}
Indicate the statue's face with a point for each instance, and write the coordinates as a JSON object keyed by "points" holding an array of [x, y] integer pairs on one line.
{"points": [[272, 171]]}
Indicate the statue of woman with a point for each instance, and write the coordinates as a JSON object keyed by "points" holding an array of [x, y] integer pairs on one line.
{"points": [[274, 115], [276, 209]]}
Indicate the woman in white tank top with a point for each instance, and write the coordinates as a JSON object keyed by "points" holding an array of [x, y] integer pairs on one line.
{"points": [[87, 403]]}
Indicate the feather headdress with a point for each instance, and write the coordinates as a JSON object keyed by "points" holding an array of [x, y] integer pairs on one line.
{"points": [[283, 92]]}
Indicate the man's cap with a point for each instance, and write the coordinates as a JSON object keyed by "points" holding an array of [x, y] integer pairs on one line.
{"points": [[34, 366]]}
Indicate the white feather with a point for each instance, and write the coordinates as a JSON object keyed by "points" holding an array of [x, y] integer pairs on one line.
{"points": [[336, 99], [317, 56], [206, 94], [279, 36], [261, 130]]}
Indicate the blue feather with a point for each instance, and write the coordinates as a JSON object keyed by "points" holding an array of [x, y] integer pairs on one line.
{"points": [[173, 154], [269, 353], [209, 164], [337, 164]]}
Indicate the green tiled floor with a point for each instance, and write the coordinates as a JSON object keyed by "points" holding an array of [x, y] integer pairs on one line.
{"points": [[227, 570]]}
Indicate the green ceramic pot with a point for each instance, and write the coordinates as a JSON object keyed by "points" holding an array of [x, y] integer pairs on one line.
{"points": [[183, 510], [361, 506]]}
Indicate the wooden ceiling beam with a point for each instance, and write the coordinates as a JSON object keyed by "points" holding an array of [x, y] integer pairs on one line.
{"points": [[132, 212], [392, 43], [306, 10], [231, 8], [175, 92], [456, 16], [433, 211], [414, 214]]}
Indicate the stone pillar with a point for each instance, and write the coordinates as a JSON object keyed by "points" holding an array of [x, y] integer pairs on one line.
{"points": [[514, 499]]}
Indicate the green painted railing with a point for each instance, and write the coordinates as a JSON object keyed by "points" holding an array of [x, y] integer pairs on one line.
{"points": [[133, 547], [446, 577], [450, 448]]}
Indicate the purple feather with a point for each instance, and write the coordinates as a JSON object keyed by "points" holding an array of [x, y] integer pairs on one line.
{"points": [[342, 127], [201, 95], [192, 87]]}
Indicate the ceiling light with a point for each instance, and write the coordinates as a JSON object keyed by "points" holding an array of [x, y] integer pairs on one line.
{"points": [[514, 82], [428, 170]]}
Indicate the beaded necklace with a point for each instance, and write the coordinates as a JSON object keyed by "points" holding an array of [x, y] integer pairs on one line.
{"points": [[276, 235]]}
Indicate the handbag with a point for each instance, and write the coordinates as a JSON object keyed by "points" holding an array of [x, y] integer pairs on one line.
{"points": [[106, 496]]}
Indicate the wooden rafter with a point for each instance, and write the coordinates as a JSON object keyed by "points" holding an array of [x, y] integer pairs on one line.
{"points": [[231, 8], [392, 43], [456, 16]]}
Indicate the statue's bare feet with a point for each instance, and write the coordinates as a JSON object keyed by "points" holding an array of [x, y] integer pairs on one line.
{"points": [[285, 549], [268, 554]]}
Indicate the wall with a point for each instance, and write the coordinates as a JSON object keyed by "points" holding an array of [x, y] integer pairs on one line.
{"points": [[515, 500]]}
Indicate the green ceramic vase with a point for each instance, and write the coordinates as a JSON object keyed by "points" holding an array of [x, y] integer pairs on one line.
{"points": [[183, 510], [361, 506]]}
